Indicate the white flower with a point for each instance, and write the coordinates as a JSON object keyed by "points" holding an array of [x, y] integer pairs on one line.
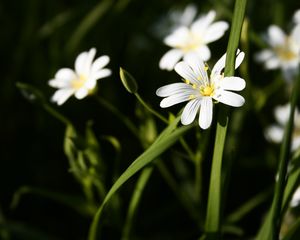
{"points": [[81, 81], [275, 132], [296, 17], [173, 19], [296, 198], [185, 17], [185, 40], [200, 90], [284, 52]]}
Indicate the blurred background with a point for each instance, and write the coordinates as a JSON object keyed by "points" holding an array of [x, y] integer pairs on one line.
{"points": [[39, 37]]}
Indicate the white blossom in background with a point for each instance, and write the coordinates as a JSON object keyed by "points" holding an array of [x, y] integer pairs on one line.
{"points": [[284, 52], [184, 17], [173, 19], [275, 132], [201, 90], [296, 17], [194, 39], [296, 198], [81, 81]]}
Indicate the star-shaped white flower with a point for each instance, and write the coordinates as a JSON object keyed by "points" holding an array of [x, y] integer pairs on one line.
{"points": [[185, 40], [284, 52], [200, 90], [275, 132], [81, 81]]}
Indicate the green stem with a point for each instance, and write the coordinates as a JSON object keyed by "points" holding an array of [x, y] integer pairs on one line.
{"points": [[213, 217], [127, 122], [150, 109], [159, 116], [134, 202], [283, 163]]}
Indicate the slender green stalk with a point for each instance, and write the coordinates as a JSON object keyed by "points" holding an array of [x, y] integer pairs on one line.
{"points": [[127, 122], [283, 164], [134, 202], [213, 217], [150, 109], [159, 116]]}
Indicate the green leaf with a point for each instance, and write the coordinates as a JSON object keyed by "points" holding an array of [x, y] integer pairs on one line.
{"points": [[248, 206], [292, 184], [135, 200], [214, 207], [128, 81], [167, 138], [278, 199]]}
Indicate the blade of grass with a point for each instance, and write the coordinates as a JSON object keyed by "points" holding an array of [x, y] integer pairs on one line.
{"points": [[88, 22], [157, 148], [283, 165], [135, 200], [212, 224]]}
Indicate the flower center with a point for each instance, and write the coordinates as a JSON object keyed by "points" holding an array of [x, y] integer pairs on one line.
{"points": [[192, 43], [207, 90], [78, 82], [286, 52]]}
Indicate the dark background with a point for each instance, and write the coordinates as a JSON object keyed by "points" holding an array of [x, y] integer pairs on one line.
{"points": [[36, 40]]}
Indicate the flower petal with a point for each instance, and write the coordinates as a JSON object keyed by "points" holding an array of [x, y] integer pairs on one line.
{"points": [[174, 99], [61, 95], [200, 25], [220, 64], [190, 111], [65, 74], [185, 71], [276, 36], [215, 31], [81, 93], [79, 62], [274, 133], [272, 63], [229, 98], [174, 88], [232, 83], [282, 114], [178, 37], [197, 65], [170, 58], [296, 34], [99, 63], [203, 52], [296, 17], [84, 61], [88, 61], [105, 72], [188, 15], [206, 112], [59, 83], [263, 55], [295, 143]]}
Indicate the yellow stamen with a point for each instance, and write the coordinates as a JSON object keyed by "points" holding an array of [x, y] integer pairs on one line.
{"points": [[207, 90], [191, 97], [194, 86], [187, 81], [78, 82]]}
